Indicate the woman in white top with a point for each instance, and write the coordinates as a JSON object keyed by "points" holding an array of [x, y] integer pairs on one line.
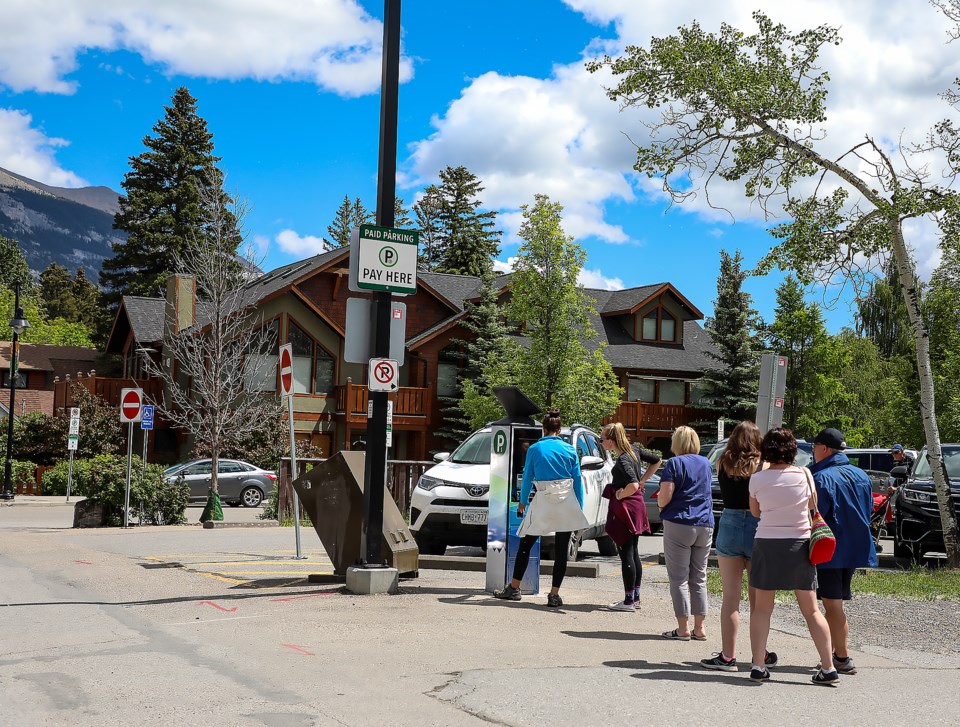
{"points": [[782, 497]]}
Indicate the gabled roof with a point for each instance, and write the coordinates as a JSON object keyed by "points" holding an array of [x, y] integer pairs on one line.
{"points": [[630, 300], [455, 289], [48, 357]]}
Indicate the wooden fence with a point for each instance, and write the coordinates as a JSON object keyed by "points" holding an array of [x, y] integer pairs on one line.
{"points": [[402, 477]]}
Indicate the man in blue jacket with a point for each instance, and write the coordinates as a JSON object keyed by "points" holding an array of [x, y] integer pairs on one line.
{"points": [[845, 499]]}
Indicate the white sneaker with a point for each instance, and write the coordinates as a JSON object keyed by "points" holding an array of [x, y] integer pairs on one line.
{"points": [[622, 606]]}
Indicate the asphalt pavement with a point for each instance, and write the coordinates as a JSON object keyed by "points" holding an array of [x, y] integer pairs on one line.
{"points": [[186, 626]]}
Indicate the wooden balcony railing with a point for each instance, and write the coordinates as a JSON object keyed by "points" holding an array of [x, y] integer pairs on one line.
{"points": [[409, 403], [107, 389], [639, 416]]}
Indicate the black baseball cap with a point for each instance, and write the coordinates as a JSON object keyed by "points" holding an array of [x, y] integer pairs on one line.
{"points": [[832, 438]]}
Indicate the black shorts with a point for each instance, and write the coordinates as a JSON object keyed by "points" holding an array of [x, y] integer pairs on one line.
{"points": [[834, 583]]}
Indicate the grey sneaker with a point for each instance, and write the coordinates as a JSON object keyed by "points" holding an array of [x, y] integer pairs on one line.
{"points": [[554, 600], [844, 667], [508, 593], [622, 606]]}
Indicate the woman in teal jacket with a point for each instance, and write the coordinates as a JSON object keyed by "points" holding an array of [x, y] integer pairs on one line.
{"points": [[552, 466]]}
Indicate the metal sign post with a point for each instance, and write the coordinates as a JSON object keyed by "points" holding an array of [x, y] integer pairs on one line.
{"points": [[286, 389], [388, 257], [72, 438], [131, 412]]}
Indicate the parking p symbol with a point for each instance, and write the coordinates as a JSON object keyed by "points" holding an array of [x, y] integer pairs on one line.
{"points": [[388, 257]]}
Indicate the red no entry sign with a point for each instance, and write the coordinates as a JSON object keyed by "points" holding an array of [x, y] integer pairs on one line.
{"points": [[286, 369], [131, 405]]}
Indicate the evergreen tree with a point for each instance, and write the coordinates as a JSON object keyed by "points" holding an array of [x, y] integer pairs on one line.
{"points": [[882, 316], [427, 213], [401, 215], [360, 215], [730, 387], [13, 265], [86, 300], [56, 291], [485, 345], [466, 241], [164, 208], [338, 231]]}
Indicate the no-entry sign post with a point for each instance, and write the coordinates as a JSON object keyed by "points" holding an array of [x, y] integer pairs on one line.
{"points": [[131, 412], [286, 389], [72, 439]]}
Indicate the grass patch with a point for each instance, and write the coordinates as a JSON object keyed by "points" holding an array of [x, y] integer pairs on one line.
{"points": [[917, 584]]}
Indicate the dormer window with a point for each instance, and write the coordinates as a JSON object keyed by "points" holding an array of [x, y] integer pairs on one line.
{"points": [[659, 325]]}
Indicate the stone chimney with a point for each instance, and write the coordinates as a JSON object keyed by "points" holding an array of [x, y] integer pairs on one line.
{"points": [[181, 302]]}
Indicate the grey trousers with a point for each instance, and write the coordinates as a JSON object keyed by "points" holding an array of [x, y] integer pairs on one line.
{"points": [[686, 549]]}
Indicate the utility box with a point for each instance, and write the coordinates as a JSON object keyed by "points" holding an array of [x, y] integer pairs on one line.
{"points": [[510, 438], [332, 495]]}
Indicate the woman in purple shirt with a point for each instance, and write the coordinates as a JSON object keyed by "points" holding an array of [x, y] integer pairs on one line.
{"points": [[686, 508]]}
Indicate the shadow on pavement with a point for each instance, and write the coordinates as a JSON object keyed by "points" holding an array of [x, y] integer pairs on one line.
{"points": [[178, 599], [612, 636], [690, 671]]}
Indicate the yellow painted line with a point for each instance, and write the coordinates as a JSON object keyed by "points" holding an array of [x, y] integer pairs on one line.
{"points": [[234, 581], [267, 573], [258, 562]]}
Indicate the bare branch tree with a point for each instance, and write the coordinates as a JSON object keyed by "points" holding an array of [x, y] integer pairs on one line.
{"points": [[219, 373]]}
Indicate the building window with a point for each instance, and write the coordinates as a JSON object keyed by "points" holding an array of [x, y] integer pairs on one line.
{"points": [[643, 390], [20, 382], [658, 325], [650, 326], [672, 392], [260, 366], [668, 327], [313, 366]]}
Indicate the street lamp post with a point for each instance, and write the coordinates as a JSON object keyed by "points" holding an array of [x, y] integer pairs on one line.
{"points": [[19, 324]]}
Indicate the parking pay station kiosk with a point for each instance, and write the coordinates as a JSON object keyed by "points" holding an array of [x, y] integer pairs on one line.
{"points": [[509, 440]]}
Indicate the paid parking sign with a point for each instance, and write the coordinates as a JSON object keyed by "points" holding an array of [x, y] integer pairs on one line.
{"points": [[386, 259]]}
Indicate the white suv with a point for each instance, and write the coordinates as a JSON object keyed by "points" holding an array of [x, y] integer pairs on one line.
{"points": [[449, 503]]}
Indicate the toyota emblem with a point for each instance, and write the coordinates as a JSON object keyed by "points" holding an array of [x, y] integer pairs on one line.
{"points": [[478, 490]]}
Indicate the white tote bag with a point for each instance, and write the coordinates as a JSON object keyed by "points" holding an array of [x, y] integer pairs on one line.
{"points": [[554, 509]]}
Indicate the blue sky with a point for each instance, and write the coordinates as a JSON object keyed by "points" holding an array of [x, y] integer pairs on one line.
{"points": [[291, 95]]}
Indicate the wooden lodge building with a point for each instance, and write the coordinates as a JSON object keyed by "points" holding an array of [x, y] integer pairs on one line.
{"points": [[654, 343]]}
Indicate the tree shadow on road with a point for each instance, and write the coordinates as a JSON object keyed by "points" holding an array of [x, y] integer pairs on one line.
{"points": [[612, 635]]}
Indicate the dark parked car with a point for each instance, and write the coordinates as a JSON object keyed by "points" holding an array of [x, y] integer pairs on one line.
{"points": [[239, 483], [804, 459], [917, 513]]}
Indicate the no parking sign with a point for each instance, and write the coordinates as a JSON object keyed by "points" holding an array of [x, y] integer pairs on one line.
{"points": [[383, 374]]}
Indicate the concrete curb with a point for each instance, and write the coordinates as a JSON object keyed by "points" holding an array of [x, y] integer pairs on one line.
{"points": [[216, 524]]}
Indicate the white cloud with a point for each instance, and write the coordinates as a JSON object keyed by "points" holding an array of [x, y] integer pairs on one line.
{"points": [[562, 136], [332, 43], [298, 245], [27, 151], [587, 278], [597, 280]]}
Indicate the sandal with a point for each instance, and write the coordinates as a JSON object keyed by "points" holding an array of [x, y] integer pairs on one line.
{"points": [[693, 635], [675, 635]]}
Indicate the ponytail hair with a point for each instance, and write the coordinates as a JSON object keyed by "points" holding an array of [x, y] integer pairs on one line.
{"points": [[551, 422], [618, 435]]}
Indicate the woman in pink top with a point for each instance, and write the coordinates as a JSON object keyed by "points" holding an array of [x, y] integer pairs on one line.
{"points": [[782, 497]]}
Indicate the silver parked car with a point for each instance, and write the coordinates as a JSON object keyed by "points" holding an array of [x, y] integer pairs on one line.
{"points": [[239, 483]]}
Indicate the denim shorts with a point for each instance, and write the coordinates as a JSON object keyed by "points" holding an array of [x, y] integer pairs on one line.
{"points": [[735, 535]]}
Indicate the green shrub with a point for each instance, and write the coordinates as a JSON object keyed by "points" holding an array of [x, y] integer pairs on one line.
{"points": [[22, 473], [104, 478]]}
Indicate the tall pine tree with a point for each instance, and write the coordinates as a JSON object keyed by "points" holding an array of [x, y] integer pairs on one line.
{"points": [[730, 387], [164, 207], [467, 240], [427, 213]]}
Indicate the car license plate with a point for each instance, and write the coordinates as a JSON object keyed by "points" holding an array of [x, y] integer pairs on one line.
{"points": [[473, 517]]}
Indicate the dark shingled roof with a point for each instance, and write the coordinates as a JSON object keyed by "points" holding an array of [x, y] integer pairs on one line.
{"points": [[455, 288], [146, 317]]}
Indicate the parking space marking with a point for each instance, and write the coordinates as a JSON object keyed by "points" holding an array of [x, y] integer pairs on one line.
{"points": [[217, 606], [298, 648], [270, 573]]}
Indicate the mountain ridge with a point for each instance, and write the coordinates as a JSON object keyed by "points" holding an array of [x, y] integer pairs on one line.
{"points": [[70, 226]]}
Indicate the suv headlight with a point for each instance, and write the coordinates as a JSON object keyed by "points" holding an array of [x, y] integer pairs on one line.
{"points": [[916, 495], [429, 483]]}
